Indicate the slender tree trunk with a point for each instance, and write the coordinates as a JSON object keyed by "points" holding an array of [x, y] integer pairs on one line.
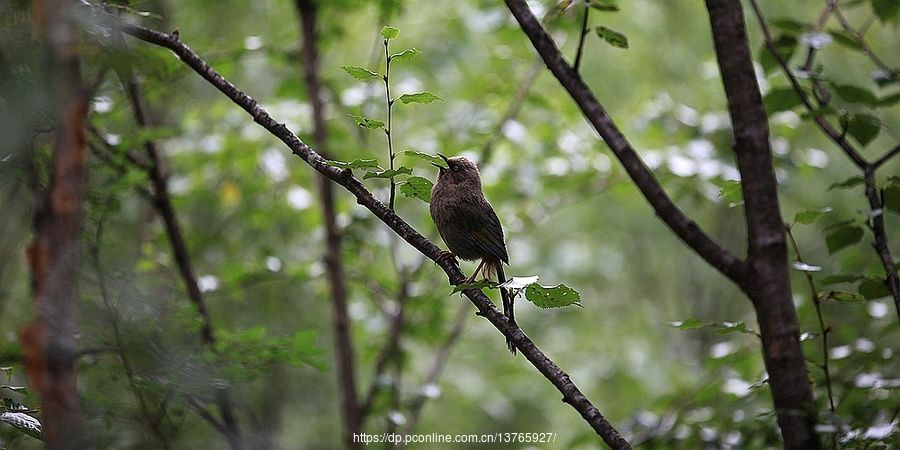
{"points": [[350, 409], [54, 256], [767, 283]]}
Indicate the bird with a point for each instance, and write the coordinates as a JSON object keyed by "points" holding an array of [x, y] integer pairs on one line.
{"points": [[469, 226]]}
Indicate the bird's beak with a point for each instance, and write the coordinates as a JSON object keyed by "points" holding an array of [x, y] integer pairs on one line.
{"points": [[440, 166]]}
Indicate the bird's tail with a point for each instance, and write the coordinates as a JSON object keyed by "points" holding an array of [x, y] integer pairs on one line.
{"points": [[508, 307]]}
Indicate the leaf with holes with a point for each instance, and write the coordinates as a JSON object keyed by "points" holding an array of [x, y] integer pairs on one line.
{"points": [[552, 297], [365, 122], [417, 187], [613, 37]]}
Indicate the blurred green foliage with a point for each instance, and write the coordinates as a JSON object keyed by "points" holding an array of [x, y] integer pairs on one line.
{"points": [[251, 216]]}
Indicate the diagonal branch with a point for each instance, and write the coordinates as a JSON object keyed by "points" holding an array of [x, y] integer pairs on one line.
{"points": [[571, 394], [683, 226]]}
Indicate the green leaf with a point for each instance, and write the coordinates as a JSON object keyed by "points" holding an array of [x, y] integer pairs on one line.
{"points": [[405, 55], [603, 5], [481, 284], [855, 94], [19, 389], [846, 39], [425, 156], [421, 97], [355, 164], [24, 423], [890, 198], [844, 297], [785, 45], [389, 173], [864, 128], [790, 25], [808, 217], [417, 187], [872, 288], [360, 73], [365, 122], [886, 10], [556, 11], [843, 238], [612, 37], [389, 33], [781, 99], [552, 297], [835, 279], [890, 100], [693, 323], [849, 183], [731, 193]]}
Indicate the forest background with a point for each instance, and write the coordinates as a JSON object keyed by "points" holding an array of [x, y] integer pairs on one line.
{"points": [[233, 338]]}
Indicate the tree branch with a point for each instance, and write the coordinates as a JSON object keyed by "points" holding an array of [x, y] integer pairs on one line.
{"points": [[768, 284], [643, 178], [345, 178]]}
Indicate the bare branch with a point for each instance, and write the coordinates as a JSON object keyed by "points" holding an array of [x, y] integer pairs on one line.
{"points": [[684, 227]]}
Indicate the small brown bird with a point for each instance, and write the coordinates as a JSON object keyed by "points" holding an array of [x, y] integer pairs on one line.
{"points": [[468, 224]]}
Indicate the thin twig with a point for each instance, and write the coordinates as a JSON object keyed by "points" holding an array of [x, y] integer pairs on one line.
{"points": [[153, 421], [584, 31], [437, 368], [817, 303]]}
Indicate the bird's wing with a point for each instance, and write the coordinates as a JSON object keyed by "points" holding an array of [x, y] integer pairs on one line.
{"points": [[489, 237]]}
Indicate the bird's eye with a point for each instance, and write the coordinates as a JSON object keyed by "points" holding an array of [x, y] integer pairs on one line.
{"points": [[455, 167]]}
